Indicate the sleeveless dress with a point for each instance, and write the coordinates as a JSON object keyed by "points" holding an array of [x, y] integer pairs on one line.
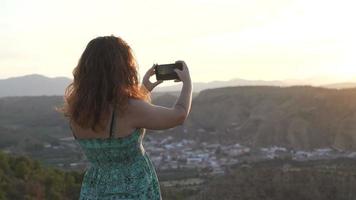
{"points": [[119, 168]]}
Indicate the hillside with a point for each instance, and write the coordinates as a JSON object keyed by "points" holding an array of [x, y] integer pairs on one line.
{"points": [[296, 117], [280, 180], [300, 118], [23, 178], [256, 116]]}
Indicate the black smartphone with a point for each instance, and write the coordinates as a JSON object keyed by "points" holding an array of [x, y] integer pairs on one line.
{"points": [[166, 71]]}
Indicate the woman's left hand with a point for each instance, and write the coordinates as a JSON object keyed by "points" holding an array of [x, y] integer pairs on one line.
{"points": [[146, 79]]}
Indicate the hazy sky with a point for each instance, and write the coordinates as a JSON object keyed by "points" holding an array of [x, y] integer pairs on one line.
{"points": [[219, 40]]}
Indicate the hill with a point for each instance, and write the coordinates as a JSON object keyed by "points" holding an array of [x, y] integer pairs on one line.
{"points": [[300, 117]]}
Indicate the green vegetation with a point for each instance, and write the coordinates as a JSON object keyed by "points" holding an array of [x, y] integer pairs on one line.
{"points": [[23, 178], [284, 179]]}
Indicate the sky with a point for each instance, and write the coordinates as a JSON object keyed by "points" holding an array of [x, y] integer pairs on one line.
{"points": [[219, 40]]}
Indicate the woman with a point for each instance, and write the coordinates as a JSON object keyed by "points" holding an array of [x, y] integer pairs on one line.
{"points": [[109, 111]]}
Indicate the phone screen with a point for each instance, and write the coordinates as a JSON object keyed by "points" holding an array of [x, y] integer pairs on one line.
{"points": [[166, 69]]}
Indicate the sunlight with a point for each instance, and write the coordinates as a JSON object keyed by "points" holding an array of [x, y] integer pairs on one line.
{"points": [[245, 39], [345, 73]]}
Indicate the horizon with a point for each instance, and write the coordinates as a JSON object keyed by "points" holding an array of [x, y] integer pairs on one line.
{"points": [[255, 40], [287, 82]]}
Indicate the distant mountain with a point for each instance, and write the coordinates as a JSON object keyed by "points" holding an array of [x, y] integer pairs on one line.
{"points": [[33, 85], [37, 85], [199, 86], [341, 85]]}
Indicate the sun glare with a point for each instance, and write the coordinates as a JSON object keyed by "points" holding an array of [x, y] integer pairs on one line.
{"points": [[243, 39]]}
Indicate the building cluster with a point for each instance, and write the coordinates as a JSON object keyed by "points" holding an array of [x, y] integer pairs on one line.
{"points": [[169, 153]]}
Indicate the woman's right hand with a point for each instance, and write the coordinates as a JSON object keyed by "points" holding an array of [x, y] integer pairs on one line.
{"points": [[150, 116], [183, 74]]}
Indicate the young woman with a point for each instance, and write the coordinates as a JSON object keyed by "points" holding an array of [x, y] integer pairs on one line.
{"points": [[109, 111]]}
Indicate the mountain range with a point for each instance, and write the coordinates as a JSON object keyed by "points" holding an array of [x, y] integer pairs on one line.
{"points": [[298, 117], [38, 85], [33, 85]]}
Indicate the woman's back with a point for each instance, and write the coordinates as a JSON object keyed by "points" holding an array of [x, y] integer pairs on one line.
{"points": [[107, 75], [119, 167]]}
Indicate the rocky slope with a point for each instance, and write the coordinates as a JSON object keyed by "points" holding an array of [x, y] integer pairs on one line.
{"points": [[300, 117]]}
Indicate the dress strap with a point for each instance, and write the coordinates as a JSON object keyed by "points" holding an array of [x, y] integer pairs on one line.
{"points": [[112, 121]]}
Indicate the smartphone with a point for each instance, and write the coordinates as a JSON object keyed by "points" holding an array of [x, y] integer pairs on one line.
{"points": [[166, 71]]}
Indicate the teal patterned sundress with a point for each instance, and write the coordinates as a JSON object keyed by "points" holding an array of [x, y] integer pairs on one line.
{"points": [[119, 168]]}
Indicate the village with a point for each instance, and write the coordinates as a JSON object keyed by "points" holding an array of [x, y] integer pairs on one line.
{"points": [[170, 154]]}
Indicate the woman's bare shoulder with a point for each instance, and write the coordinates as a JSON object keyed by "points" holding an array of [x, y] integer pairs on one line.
{"points": [[136, 105]]}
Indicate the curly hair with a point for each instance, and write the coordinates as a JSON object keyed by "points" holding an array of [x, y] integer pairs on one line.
{"points": [[106, 75]]}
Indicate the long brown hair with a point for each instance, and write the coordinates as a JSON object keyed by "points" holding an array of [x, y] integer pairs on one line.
{"points": [[106, 75]]}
